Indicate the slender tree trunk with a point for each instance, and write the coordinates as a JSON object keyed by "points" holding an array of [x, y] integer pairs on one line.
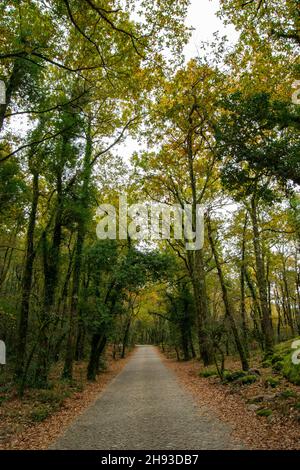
{"points": [[243, 290], [193, 352], [70, 347], [97, 347], [81, 333], [287, 299], [81, 232], [196, 264], [262, 281], [201, 306], [125, 337], [51, 272], [27, 281], [228, 307]]}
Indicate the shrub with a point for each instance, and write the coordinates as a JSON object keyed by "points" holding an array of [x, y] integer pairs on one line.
{"points": [[51, 397], [291, 371], [278, 366], [272, 382], [233, 376], [247, 379], [78, 387], [275, 361], [276, 358], [266, 363], [288, 394], [3, 400], [208, 373], [40, 413], [264, 412]]}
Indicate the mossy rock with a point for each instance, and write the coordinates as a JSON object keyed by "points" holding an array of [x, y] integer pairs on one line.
{"points": [[266, 363], [291, 371], [272, 382], [288, 394], [247, 379], [208, 373], [276, 358], [234, 376], [278, 366], [275, 361], [264, 412], [284, 348]]}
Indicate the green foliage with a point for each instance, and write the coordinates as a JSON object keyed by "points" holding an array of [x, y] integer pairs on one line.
{"points": [[249, 134], [264, 412], [14, 192], [291, 371], [288, 394], [276, 362], [40, 413], [210, 137], [234, 376], [247, 379], [272, 382], [52, 397], [208, 372], [3, 400]]}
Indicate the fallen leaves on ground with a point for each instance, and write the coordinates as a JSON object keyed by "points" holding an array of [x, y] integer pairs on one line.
{"points": [[17, 432], [229, 403]]}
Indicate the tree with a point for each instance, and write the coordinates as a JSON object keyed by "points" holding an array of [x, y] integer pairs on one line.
{"points": [[275, 20], [260, 132], [183, 117]]}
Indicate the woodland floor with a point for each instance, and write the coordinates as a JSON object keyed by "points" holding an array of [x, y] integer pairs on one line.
{"points": [[153, 402], [36, 421], [238, 405]]}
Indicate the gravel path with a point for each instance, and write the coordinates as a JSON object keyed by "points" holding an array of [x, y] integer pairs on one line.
{"points": [[144, 407]]}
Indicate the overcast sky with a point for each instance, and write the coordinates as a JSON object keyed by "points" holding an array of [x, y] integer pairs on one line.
{"points": [[202, 17]]}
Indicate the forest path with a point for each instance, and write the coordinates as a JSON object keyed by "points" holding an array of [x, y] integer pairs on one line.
{"points": [[144, 407]]}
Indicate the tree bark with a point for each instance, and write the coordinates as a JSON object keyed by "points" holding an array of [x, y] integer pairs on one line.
{"points": [[261, 281], [81, 232], [97, 347], [228, 307], [27, 281]]}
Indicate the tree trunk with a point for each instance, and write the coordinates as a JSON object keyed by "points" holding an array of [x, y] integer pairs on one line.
{"points": [[228, 307], [81, 232], [125, 338], [51, 272], [97, 346], [243, 290], [262, 281], [70, 347], [27, 281], [201, 306], [196, 264]]}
